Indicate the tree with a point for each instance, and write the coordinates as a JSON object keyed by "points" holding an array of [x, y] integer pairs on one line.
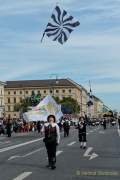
{"points": [[35, 99], [28, 102], [57, 99], [68, 105], [23, 106]]}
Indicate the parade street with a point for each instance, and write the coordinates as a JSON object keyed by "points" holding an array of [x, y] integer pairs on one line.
{"points": [[23, 156]]}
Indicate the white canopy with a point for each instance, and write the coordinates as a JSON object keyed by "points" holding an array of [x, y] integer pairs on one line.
{"points": [[46, 107]]}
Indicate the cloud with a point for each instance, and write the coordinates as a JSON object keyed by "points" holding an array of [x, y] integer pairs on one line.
{"points": [[25, 69]]}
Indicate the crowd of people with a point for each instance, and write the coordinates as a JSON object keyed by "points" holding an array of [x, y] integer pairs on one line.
{"points": [[19, 126]]}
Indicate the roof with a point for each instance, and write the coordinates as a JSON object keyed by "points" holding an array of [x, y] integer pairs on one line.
{"points": [[39, 83], [2, 83]]}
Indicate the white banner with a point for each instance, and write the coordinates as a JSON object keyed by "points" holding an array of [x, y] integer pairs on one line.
{"points": [[46, 107]]}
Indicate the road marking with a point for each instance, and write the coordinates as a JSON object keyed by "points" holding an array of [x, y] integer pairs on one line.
{"points": [[33, 152], [13, 157], [87, 154], [19, 145], [94, 155], [26, 155], [72, 143], [23, 176], [58, 153]]}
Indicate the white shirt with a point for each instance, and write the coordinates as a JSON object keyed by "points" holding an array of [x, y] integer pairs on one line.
{"points": [[57, 130]]}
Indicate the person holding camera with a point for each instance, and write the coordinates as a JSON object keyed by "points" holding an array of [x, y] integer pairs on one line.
{"points": [[51, 139], [82, 132]]}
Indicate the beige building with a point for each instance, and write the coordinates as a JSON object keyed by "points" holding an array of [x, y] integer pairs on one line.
{"points": [[15, 91], [97, 107], [2, 103]]}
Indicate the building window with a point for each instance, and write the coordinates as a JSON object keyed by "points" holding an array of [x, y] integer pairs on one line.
{"points": [[45, 91], [9, 108], [9, 92], [51, 91], [57, 91], [26, 92], [63, 90], [8, 100], [20, 92], [20, 100], [14, 100], [38, 92], [32, 92], [9, 116], [14, 108], [69, 90], [14, 92]]}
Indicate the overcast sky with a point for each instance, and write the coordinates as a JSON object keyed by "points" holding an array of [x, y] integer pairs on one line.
{"points": [[91, 53]]}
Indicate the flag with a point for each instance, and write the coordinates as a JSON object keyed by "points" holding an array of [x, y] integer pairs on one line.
{"points": [[60, 26], [45, 108]]}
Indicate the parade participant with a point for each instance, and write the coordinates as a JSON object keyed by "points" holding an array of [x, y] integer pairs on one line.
{"points": [[82, 132], [38, 126], [104, 123], [51, 140], [119, 121], [8, 127], [66, 127]]}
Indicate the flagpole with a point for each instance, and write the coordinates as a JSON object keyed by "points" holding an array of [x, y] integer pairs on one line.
{"points": [[42, 37]]}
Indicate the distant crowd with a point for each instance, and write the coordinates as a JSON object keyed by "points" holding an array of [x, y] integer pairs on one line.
{"points": [[21, 126]]}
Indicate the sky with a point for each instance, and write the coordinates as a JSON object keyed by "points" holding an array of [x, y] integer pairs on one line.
{"points": [[91, 53]]}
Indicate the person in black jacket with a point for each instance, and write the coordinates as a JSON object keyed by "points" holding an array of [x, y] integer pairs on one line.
{"points": [[66, 127], [51, 139], [104, 123], [8, 127], [82, 132], [38, 126]]}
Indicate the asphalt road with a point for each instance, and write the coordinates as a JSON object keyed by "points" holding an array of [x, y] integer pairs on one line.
{"points": [[23, 156]]}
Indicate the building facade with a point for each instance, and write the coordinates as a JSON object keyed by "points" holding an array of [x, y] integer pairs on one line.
{"points": [[97, 107], [16, 91], [2, 102]]}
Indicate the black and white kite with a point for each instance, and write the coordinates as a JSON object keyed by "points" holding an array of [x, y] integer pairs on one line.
{"points": [[60, 26]]}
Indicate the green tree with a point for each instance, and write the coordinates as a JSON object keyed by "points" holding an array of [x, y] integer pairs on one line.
{"points": [[69, 105], [23, 106], [28, 102]]}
